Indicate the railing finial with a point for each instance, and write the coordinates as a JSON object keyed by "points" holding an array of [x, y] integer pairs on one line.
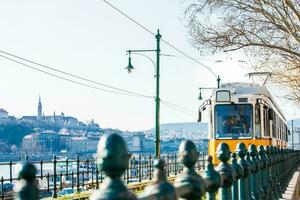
{"points": [[160, 189], [28, 188], [189, 184], [112, 159]]}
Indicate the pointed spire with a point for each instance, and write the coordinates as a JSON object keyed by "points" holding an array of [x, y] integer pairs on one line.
{"points": [[40, 109]]}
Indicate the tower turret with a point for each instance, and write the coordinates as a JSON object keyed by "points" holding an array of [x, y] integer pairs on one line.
{"points": [[40, 109]]}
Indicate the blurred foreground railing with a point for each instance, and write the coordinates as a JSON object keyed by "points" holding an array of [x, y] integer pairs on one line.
{"points": [[262, 172], [55, 175]]}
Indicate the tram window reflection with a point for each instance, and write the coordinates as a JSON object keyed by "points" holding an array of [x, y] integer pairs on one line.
{"points": [[233, 121]]}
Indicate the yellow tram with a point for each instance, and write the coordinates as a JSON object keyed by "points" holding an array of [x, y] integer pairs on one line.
{"points": [[244, 112]]}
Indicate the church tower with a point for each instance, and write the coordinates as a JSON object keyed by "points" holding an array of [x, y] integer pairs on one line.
{"points": [[40, 110]]}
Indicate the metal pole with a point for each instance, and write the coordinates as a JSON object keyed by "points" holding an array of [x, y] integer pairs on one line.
{"points": [[157, 100], [292, 134], [54, 195]]}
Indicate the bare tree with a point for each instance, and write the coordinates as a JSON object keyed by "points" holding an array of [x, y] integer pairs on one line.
{"points": [[268, 30]]}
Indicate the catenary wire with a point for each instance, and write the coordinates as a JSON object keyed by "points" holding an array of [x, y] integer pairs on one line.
{"points": [[171, 105], [176, 109], [67, 79], [163, 40], [75, 76]]}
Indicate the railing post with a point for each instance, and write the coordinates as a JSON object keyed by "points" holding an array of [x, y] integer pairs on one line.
{"points": [[54, 195], [41, 166], [97, 177], [10, 171], [67, 167], [150, 167], [226, 171], [28, 188], [238, 174], [254, 169], [139, 168], [284, 175], [87, 167], [287, 163], [77, 173], [212, 179], [72, 177], [273, 173], [128, 172], [248, 159], [160, 188], [48, 182], [60, 182], [268, 174], [189, 185], [2, 189], [277, 172], [112, 159], [175, 164], [262, 172], [243, 182]]}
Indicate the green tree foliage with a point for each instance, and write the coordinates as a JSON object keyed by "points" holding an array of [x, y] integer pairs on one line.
{"points": [[12, 134]]}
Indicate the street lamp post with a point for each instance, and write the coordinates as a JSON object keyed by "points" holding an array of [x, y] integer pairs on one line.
{"points": [[157, 99]]}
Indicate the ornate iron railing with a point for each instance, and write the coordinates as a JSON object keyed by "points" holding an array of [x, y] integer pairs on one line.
{"points": [[55, 175]]}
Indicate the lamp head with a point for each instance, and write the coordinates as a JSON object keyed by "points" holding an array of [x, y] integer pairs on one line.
{"points": [[129, 67], [200, 95]]}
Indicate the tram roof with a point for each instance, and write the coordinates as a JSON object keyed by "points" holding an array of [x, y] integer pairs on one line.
{"points": [[243, 88], [247, 88]]}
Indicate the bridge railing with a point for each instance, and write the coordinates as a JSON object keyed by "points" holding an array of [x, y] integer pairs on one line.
{"points": [[251, 172]]}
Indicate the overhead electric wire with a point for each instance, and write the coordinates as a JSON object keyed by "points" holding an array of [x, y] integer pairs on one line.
{"points": [[179, 110], [178, 107], [66, 79], [171, 105], [76, 76], [163, 40]]}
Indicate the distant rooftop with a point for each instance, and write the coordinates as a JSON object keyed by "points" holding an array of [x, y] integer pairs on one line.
{"points": [[3, 111]]}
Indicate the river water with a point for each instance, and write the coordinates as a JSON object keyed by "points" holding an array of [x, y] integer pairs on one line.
{"points": [[5, 169]]}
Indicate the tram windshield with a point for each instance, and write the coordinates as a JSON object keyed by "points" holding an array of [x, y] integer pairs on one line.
{"points": [[233, 121]]}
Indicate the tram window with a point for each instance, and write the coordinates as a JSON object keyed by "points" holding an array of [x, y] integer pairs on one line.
{"points": [[223, 96], [257, 132], [271, 114], [266, 122], [274, 127], [233, 121]]}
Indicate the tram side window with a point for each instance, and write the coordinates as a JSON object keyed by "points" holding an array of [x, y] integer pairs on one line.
{"points": [[257, 121], [233, 120], [274, 127], [266, 123], [285, 132]]}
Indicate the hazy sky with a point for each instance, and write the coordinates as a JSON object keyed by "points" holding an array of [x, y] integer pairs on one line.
{"points": [[89, 38]]}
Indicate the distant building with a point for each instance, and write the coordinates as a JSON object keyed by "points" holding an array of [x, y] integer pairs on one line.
{"points": [[5, 118], [43, 142], [76, 144], [137, 142], [3, 113], [57, 121]]}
